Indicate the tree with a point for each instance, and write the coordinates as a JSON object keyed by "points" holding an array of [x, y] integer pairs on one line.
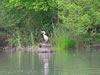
{"points": [[37, 5], [20, 18], [80, 17]]}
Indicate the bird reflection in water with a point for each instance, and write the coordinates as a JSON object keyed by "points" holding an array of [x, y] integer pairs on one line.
{"points": [[45, 57]]}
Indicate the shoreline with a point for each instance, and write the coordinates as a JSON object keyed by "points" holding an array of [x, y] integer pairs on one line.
{"points": [[34, 49]]}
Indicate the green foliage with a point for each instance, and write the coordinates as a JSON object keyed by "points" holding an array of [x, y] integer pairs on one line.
{"points": [[62, 39], [79, 16], [19, 39], [37, 5], [26, 18], [24, 21], [32, 38]]}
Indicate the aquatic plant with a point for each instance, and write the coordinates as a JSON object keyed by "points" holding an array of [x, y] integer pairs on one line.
{"points": [[21, 39], [62, 39], [32, 38]]}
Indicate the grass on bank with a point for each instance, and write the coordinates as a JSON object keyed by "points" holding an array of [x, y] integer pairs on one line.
{"points": [[21, 39], [62, 40]]}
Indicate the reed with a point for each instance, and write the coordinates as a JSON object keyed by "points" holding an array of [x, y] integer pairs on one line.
{"points": [[32, 38], [18, 39], [62, 39], [21, 39]]}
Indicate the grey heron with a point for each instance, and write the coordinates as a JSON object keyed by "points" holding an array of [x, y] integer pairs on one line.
{"points": [[45, 37]]}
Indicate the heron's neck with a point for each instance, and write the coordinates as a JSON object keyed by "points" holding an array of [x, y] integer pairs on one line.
{"points": [[43, 33]]}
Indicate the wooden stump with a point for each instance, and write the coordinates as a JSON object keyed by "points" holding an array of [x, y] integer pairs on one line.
{"points": [[44, 48]]}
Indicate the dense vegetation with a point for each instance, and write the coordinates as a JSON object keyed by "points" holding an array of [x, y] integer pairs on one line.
{"points": [[68, 23]]}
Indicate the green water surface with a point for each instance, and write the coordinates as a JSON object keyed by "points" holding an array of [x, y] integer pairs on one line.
{"points": [[59, 63]]}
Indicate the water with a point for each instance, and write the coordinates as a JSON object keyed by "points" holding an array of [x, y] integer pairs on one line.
{"points": [[59, 63]]}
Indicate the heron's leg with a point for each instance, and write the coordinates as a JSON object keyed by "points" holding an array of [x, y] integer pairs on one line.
{"points": [[46, 42]]}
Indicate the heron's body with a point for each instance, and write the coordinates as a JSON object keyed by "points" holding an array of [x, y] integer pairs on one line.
{"points": [[45, 37]]}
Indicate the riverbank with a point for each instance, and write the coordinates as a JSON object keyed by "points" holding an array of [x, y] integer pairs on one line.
{"points": [[34, 49], [14, 49]]}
